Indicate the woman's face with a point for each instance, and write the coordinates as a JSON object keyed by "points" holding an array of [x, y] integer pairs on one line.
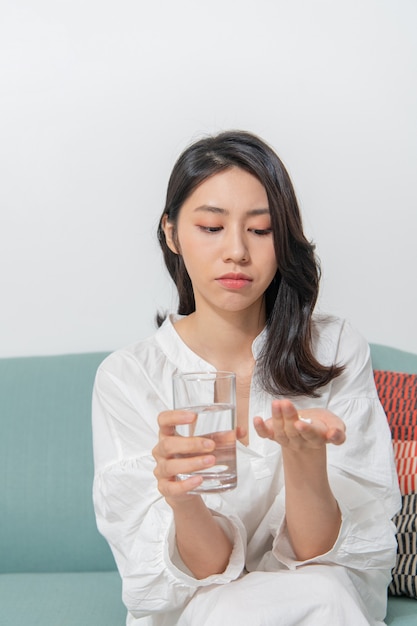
{"points": [[224, 236]]}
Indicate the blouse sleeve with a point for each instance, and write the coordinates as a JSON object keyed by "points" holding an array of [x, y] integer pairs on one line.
{"points": [[131, 513], [361, 471]]}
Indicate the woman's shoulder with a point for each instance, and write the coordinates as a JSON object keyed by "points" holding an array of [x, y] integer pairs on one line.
{"points": [[140, 354], [158, 356], [336, 340]]}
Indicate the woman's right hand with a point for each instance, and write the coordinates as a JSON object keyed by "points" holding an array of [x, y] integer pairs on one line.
{"points": [[202, 543], [169, 454]]}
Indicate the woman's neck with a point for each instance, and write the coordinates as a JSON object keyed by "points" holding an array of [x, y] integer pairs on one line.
{"points": [[224, 340]]}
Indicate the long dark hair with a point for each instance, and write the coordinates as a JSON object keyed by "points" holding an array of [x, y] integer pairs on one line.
{"points": [[287, 365]]}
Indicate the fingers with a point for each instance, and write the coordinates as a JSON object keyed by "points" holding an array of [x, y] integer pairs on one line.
{"points": [[168, 420], [280, 427], [174, 445], [337, 436], [335, 432], [293, 432], [241, 432], [166, 473], [176, 455], [182, 457], [175, 490], [313, 428], [262, 428]]}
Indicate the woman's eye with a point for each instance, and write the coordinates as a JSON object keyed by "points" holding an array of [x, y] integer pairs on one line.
{"points": [[262, 231], [210, 229]]}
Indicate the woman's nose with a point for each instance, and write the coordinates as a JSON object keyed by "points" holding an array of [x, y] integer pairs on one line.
{"points": [[235, 247]]}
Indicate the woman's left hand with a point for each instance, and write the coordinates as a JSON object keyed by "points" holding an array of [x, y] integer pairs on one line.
{"points": [[286, 428]]}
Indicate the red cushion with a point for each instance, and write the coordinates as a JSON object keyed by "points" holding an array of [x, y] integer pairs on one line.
{"points": [[398, 394]]}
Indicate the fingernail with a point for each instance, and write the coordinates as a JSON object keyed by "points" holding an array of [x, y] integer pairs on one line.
{"points": [[195, 480], [208, 444]]}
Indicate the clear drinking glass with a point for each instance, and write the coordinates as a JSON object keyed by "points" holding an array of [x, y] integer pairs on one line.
{"points": [[212, 396]]}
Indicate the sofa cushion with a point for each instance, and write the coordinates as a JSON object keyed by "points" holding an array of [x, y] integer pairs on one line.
{"points": [[401, 612], [46, 466], [67, 599], [398, 395]]}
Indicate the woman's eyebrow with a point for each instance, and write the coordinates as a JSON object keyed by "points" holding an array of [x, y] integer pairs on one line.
{"points": [[208, 208]]}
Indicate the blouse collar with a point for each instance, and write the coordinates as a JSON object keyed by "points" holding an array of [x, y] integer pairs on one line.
{"points": [[182, 356]]}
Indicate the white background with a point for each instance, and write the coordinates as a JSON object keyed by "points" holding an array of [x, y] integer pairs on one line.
{"points": [[98, 98]]}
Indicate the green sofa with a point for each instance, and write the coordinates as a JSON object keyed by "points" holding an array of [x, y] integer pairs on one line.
{"points": [[55, 568]]}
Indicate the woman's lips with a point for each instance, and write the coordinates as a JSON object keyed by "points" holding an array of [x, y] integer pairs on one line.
{"points": [[234, 281]]}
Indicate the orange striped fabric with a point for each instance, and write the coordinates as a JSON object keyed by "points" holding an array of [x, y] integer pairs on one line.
{"points": [[406, 461], [398, 395]]}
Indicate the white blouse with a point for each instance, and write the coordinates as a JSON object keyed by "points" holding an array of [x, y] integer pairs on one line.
{"points": [[133, 386]]}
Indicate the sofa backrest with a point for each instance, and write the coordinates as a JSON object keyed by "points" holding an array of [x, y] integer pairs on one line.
{"points": [[46, 467], [392, 359]]}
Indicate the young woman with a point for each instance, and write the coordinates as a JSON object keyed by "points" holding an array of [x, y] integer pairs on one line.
{"points": [[306, 537]]}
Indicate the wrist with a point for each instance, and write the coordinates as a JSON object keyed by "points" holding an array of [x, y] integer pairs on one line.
{"points": [[305, 467], [305, 456], [186, 504]]}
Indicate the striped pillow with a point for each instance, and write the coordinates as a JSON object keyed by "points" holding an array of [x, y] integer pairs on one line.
{"points": [[398, 394]]}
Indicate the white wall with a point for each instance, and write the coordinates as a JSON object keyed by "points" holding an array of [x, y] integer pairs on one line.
{"points": [[98, 98]]}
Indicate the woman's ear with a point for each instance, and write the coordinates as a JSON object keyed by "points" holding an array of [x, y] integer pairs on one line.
{"points": [[169, 231]]}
